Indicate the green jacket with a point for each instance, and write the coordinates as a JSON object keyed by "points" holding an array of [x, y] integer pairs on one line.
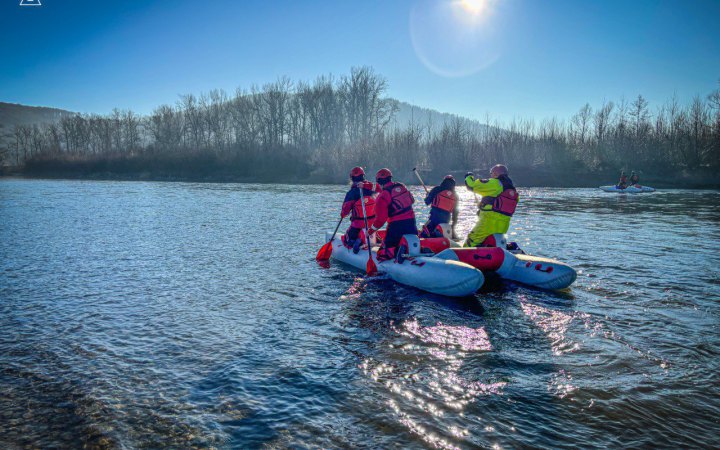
{"points": [[489, 222], [491, 187]]}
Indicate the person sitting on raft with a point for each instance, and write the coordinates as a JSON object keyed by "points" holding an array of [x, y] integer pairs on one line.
{"points": [[499, 200], [634, 178], [351, 205], [394, 205], [623, 180], [443, 203]]}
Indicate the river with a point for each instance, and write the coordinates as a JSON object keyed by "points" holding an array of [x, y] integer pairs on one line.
{"points": [[138, 315]]}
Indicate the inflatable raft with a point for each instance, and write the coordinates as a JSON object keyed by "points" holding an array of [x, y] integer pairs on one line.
{"points": [[513, 265], [635, 189], [437, 275], [544, 273]]}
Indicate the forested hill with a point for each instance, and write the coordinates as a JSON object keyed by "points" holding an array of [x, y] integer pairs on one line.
{"points": [[12, 114], [314, 132], [431, 120]]}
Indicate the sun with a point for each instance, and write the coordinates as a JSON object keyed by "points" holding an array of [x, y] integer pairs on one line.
{"points": [[474, 7]]}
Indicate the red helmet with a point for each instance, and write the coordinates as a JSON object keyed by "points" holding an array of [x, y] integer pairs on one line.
{"points": [[383, 173], [499, 170], [357, 171]]}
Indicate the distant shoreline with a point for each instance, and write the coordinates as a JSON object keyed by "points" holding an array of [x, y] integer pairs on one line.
{"points": [[522, 178]]}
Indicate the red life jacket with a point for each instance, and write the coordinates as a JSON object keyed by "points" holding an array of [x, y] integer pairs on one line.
{"points": [[445, 200], [505, 203], [357, 211], [401, 200]]}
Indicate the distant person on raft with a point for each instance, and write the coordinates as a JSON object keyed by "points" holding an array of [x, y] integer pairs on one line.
{"points": [[444, 206], [499, 200], [622, 184], [351, 205], [634, 178], [394, 205]]}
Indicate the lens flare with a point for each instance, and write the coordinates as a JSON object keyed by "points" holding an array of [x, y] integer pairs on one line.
{"points": [[473, 6], [455, 38]]}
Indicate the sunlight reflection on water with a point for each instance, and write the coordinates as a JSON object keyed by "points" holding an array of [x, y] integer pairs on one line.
{"points": [[147, 315]]}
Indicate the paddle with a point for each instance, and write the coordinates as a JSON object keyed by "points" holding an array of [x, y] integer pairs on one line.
{"points": [[421, 180], [371, 268], [323, 255]]}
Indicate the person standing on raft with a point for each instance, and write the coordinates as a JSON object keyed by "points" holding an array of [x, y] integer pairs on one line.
{"points": [[443, 203], [351, 205], [394, 205], [499, 200]]}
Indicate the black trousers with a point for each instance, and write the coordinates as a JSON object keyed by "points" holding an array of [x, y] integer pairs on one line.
{"points": [[396, 230]]}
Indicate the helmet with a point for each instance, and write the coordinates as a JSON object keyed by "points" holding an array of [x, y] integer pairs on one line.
{"points": [[357, 171], [499, 170], [449, 177], [383, 173]]}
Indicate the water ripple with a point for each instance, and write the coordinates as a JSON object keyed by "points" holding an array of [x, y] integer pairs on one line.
{"points": [[184, 315]]}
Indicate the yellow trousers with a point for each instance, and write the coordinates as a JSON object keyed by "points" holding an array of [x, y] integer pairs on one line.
{"points": [[489, 222]]}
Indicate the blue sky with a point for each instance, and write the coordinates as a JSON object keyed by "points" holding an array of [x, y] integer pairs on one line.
{"points": [[525, 58]]}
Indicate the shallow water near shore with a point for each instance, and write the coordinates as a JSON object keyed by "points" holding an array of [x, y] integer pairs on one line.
{"points": [[141, 314]]}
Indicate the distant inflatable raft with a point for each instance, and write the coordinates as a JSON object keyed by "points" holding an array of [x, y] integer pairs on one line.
{"points": [[636, 189]]}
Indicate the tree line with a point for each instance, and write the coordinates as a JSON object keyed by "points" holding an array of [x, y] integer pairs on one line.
{"points": [[315, 132]]}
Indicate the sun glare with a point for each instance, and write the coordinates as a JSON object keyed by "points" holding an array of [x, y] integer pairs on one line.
{"points": [[455, 38], [474, 7]]}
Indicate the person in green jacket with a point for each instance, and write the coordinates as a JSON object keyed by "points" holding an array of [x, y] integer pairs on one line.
{"points": [[499, 200]]}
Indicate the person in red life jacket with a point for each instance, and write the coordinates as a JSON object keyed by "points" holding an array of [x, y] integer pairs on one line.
{"points": [[634, 179], [394, 206], [623, 180], [444, 206], [353, 207]]}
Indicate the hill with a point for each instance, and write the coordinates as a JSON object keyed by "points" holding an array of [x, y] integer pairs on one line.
{"points": [[432, 120], [12, 114]]}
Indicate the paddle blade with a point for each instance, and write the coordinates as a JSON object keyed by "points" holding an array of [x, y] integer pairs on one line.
{"points": [[324, 253], [371, 268]]}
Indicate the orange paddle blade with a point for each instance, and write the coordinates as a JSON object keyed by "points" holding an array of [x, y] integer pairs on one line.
{"points": [[371, 268], [324, 253]]}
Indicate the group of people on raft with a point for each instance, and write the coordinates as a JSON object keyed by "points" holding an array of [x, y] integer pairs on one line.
{"points": [[623, 183], [391, 202]]}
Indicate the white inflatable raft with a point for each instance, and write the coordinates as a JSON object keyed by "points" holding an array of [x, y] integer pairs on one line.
{"points": [[536, 271], [436, 275], [636, 189]]}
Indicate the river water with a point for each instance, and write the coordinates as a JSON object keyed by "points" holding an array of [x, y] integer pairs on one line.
{"points": [[137, 315]]}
